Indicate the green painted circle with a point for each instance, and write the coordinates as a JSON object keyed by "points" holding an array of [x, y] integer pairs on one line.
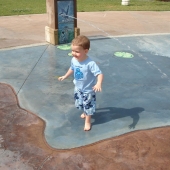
{"points": [[70, 54], [123, 54], [64, 47]]}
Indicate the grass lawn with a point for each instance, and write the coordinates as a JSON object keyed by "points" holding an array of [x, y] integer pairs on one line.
{"points": [[115, 5], [21, 7]]}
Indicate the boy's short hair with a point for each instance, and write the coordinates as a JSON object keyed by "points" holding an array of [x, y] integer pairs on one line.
{"points": [[81, 41]]}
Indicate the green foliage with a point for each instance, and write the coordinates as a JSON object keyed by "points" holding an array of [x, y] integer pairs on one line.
{"points": [[21, 7], [115, 5]]}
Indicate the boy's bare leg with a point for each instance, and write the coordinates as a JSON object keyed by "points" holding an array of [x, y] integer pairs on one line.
{"points": [[83, 115], [87, 125]]}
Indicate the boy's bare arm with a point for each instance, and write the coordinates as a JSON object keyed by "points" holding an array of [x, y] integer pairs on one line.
{"points": [[98, 86], [69, 72]]}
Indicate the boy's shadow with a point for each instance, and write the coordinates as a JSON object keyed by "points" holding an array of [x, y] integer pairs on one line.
{"points": [[107, 114]]}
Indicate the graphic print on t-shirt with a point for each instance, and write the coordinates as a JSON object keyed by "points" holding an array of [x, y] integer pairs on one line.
{"points": [[78, 74]]}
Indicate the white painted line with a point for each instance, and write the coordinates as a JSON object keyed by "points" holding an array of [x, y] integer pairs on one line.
{"points": [[127, 35], [136, 35], [24, 46]]}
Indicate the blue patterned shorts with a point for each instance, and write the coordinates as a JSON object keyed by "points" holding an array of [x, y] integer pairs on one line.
{"points": [[85, 101]]}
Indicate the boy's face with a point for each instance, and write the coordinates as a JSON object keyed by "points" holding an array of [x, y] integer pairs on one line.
{"points": [[79, 53]]}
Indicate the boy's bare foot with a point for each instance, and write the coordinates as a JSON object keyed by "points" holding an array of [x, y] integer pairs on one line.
{"points": [[87, 125], [83, 115]]}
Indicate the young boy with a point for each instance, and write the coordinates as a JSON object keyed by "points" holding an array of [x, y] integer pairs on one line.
{"points": [[87, 78]]}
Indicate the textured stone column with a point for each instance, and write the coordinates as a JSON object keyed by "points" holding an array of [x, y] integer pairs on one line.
{"points": [[52, 30]]}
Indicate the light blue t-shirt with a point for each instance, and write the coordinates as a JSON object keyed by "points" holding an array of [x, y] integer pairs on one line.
{"points": [[85, 73]]}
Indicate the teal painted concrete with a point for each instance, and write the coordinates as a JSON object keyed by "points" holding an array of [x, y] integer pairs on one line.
{"points": [[135, 92]]}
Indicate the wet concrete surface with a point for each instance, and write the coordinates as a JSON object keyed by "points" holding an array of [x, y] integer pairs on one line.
{"points": [[135, 92], [23, 146]]}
